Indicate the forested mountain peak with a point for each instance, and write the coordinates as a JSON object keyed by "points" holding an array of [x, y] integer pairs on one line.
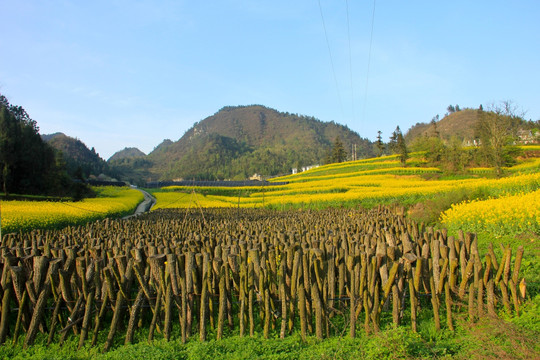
{"points": [[238, 141]]}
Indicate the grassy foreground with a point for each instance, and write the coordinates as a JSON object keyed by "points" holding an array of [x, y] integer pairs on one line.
{"points": [[504, 339]]}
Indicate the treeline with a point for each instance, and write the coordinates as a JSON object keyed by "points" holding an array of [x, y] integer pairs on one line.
{"points": [[28, 165], [217, 157]]}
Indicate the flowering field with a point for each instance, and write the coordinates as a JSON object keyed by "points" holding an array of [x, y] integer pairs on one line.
{"points": [[365, 182], [353, 183], [512, 214], [26, 215]]}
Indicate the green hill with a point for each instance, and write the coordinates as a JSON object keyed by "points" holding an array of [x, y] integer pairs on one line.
{"points": [[463, 125], [127, 153], [460, 124], [237, 142], [76, 154]]}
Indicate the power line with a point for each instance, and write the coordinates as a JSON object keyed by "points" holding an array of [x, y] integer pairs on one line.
{"points": [[331, 59], [84, 209], [369, 60], [350, 59]]}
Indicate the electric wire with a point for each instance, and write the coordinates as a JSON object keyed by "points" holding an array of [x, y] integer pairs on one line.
{"points": [[83, 209], [331, 59], [369, 61], [350, 60]]}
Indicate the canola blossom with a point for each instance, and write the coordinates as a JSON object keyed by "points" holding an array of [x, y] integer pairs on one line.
{"points": [[348, 188], [27, 215], [507, 215], [167, 200]]}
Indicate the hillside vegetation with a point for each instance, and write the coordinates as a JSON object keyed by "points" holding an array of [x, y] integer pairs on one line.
{"points": [[127, 153], [77, 156], [28, 165], [237, 142], [463, 126]]}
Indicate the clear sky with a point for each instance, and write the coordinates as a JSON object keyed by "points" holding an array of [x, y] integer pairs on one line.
{"points": [[119, 73]]}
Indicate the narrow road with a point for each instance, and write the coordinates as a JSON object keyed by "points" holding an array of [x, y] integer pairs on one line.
{"points": [[144, 206]]}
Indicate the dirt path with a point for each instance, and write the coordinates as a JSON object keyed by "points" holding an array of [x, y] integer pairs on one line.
{"points": [[144, 206]]}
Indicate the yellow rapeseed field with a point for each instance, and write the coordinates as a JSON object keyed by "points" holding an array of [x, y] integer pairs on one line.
{"points": [[27, 215], [512, 214], [352, 183], [382, 180]]}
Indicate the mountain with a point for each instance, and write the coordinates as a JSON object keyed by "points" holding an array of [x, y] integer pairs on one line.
{"points": [[77, 155], [130, 165], [462, 125], [237, 142], [127, 153]]}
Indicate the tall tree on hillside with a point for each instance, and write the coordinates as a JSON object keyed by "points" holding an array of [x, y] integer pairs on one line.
{"points": [[8, 156], [338, 151], [494, 131], [379, 143], [433, 123], [398, 146], [328, 156]]}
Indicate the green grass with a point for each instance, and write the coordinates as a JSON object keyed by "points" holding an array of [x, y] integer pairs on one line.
{"points": [[495, 338]]}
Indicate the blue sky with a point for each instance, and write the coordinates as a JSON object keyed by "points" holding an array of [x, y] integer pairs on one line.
{"points": [[118, 73]]}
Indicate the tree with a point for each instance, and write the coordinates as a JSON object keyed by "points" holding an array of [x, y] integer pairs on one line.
{"points": [[398, 146], [27, 164], [432, 146], [328, 156], [454, 158], [433, 124], [8, 138], [494, 131], [451, 109], [392, 143], [338, 151], [379, 143]]}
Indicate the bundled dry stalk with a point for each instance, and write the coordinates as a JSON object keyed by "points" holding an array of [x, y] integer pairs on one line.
{"points": [[265, 271]]}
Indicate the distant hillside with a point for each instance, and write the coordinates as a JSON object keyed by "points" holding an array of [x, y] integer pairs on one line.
{"points": [[130, 165], [127, 153], [462, 125], [237, 142], [76, 154]]}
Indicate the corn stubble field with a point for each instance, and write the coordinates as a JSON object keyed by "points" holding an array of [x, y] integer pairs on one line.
{"points": [[214, 266]]}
